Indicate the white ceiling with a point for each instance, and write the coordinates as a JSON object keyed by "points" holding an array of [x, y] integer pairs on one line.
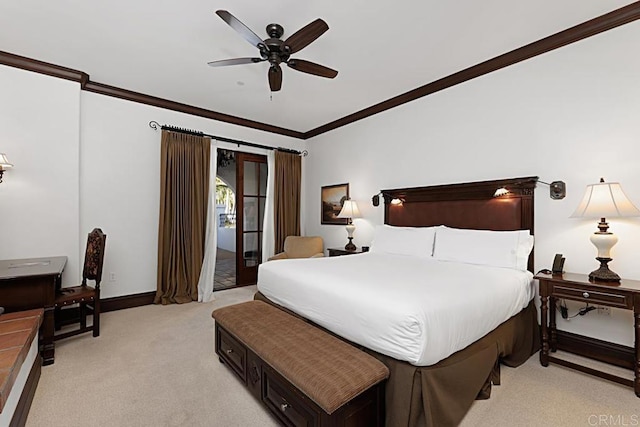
{"points": [[380, 48]]}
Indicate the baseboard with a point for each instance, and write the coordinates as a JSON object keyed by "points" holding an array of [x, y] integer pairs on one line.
{"points": [[594, 348], [126, 301], [71, 315], [19, 418]]}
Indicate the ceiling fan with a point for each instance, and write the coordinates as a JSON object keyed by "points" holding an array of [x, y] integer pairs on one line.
{"points": [[277, 51]]}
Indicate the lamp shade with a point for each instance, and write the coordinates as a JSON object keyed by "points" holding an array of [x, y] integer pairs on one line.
{"points": [[605, 200], [4, 162], [501, 192], [349, 210]]}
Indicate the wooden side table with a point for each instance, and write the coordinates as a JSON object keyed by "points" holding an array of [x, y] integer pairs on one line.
{"points": [[578, 287], [343, 251]]}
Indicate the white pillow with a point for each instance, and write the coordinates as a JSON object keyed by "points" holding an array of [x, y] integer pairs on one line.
{"points": [[509, 249], [414, 241]]}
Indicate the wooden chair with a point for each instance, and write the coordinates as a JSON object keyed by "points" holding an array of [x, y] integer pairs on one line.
{"points": [[87, 297]]}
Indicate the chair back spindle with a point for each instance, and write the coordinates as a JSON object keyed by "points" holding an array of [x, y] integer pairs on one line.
{"points": [[94, 257]]}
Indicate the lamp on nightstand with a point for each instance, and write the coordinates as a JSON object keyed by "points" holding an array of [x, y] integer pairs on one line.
{"points": [[349, 211], [604, 200]]}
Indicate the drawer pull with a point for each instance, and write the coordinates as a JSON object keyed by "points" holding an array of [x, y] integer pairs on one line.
{"points": [[284, 406], [585, 294], [230, 351]]}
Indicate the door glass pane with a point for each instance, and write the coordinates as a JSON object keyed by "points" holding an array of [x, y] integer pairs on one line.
{"points": [[261, 223], [251, 175], [263, 179], [251, 252], [250, 215]]}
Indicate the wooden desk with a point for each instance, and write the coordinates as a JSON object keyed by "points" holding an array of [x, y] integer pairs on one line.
{"points": [[26, 284]]}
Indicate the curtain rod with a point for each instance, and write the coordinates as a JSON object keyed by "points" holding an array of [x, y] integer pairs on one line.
{"points": [[154, 125]]}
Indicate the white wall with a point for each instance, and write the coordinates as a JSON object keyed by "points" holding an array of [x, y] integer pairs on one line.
{"points": [[39, 198], [120, 181], [84, 160], [226, 235], [571, 115]]}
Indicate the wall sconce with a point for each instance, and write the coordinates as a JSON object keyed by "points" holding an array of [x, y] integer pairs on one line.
{"points": [[4, 164], [604, 200], [557, 190], [375, 200]]}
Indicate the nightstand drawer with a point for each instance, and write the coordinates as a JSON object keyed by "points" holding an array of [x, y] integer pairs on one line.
{"points": [[594, 297]]}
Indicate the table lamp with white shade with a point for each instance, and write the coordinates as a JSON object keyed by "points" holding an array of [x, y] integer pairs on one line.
{"points": [[604, 200], [349, 211]]}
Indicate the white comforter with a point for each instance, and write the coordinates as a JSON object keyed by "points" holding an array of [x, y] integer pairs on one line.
{"points": [[410, 308]]}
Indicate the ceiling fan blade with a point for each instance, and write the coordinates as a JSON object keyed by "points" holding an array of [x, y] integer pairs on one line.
{"points": [[242, 29], [305, 35], [235, 61], [312, 68], [275, 78]]}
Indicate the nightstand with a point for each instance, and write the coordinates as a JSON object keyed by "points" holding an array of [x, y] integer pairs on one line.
{"points": [[343, 251], [578, 287]]}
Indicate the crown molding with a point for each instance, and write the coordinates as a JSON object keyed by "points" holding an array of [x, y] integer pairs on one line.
{"points": [[83, 79], [579, 32], [41, 67], [595, 26], [141, 98]]}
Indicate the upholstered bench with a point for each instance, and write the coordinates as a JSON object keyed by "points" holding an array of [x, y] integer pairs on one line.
{"points": [[303, 375]]}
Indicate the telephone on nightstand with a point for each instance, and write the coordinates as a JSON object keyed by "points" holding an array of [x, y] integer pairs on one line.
{"points": [[558, 264]]}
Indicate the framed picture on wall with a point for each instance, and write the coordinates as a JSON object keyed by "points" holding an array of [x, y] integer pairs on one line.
{"points": [[332, 198]]}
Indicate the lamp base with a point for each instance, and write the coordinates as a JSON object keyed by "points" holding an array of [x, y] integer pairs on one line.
{"points": [[603, 274], [350, 246]]}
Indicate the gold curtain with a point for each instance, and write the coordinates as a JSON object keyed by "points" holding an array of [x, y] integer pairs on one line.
{"points": [[288, 178], [184, 192]]}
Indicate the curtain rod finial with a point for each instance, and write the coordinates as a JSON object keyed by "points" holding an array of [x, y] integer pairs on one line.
{"points": [[154, 125]]}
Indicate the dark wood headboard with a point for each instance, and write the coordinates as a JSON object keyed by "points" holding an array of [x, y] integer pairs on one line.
{"points": [[465, 205]]}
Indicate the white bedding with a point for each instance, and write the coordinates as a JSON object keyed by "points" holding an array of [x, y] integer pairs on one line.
{"points": [[415, 309]]}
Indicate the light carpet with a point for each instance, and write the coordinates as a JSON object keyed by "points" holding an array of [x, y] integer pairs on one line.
{"points": [[155, 366]]}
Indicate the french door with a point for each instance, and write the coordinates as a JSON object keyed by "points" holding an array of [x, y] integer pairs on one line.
{"points": [[251, 195]]}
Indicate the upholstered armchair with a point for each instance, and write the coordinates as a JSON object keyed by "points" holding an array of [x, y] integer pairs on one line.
{"points": [[301, 247]]}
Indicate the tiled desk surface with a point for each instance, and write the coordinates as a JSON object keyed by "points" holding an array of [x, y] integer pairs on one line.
{"points": [[17, 331]]}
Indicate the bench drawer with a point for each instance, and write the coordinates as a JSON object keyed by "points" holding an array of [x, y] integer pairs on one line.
{"points": [[255, 339], [232, 352], [286, 403]]}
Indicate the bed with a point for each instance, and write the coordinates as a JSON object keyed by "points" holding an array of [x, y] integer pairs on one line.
{"points": [[434, 377]]}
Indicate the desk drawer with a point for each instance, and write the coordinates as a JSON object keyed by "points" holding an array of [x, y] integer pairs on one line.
{"points": [[595, 297]]}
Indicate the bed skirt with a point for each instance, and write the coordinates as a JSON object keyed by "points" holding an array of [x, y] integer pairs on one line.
{"points": [[441, 394]]}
